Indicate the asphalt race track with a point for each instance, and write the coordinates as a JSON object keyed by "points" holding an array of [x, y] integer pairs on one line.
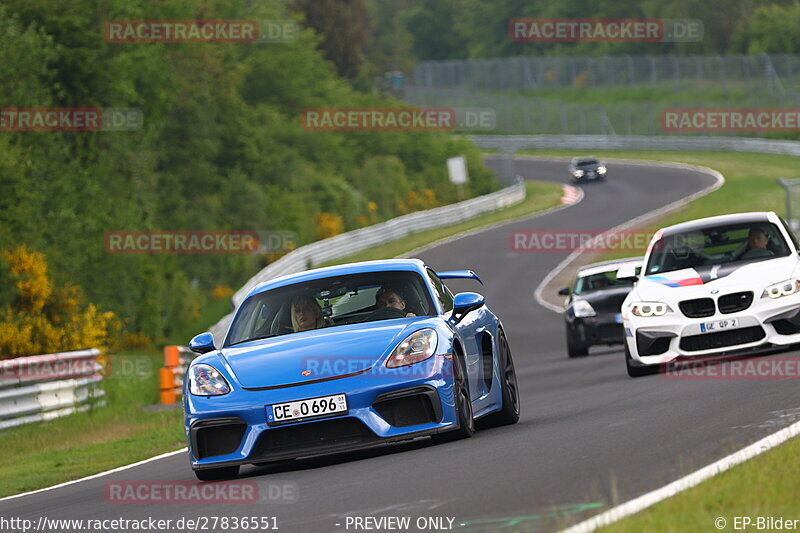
{"points": [[589, 436]]}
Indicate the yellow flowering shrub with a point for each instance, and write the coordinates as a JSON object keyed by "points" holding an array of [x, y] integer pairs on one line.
{"points": [[221, 292], [328, 225], [43, 319]]}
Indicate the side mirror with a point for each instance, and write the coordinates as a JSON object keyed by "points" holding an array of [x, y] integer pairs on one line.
{"points": [[202, 343], [627, 273], [466, 302], [563, 291]]}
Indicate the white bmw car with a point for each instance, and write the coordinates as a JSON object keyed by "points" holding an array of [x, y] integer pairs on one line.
{"points": [[710, 287]]}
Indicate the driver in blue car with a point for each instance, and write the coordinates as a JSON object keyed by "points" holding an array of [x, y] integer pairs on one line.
{"points": [[390, 297], [306, 313]]}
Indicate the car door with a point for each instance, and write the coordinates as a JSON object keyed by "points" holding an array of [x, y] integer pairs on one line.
{"points": [[469, 330]]}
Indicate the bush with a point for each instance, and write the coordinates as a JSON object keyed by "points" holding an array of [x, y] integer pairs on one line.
{"points": [[42, 319]]}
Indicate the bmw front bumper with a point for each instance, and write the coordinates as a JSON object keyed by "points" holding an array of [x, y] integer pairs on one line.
{"points": [[658, 340]]}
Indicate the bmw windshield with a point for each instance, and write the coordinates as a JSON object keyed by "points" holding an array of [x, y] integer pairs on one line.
{"points": [[717, 245]]}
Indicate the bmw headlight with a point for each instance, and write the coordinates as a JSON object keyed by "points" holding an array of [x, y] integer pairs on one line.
{"points": [[784, 288], [205, 380], [645, 309], [415, 348], [582, 308], [578, 173], [601, 170]]}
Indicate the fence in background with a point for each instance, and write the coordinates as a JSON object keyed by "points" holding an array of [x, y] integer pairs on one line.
{"points": [[171, 375], [775, 73], [352, 242], [520, 114], [44, 387]]}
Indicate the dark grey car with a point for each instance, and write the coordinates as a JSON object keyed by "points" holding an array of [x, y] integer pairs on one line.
{"points": [[592, 313], [585, 169]]}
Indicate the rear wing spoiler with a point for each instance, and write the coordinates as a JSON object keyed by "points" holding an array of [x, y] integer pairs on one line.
{"points": [[459, 274]]}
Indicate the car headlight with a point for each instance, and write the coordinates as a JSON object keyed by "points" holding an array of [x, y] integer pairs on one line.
{"points": [[784, 288], [417, 347], [205, 380], [582, 308], [578, 173], [650, 309], [601, 170]]}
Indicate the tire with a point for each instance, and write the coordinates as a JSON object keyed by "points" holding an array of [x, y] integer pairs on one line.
{"points": [[509, 413], [636, 370], [576, 343], [466, 421], [217, 474]]}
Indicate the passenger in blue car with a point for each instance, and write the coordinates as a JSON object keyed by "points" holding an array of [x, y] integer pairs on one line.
{"points": [[390, 297], [306, 313]]}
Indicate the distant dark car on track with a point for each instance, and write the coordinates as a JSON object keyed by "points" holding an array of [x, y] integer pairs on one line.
{"points": [[592, 314], [585, 169]]}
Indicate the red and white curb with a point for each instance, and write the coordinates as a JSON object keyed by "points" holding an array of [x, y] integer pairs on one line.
{"points": [[571, 195]]}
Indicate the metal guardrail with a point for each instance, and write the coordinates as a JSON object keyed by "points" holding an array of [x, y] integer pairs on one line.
{"points": [[355, 241], [176, 362], [44, 387]]}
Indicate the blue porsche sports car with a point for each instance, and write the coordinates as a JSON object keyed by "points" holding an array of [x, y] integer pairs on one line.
{"points": [[345, 357]]}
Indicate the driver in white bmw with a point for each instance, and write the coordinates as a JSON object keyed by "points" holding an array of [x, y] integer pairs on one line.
{"points": [[715, 286]]}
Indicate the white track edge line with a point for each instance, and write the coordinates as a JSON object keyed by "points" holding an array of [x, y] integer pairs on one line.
{"points": [[719, 181], [94, 476], [695, 478]]}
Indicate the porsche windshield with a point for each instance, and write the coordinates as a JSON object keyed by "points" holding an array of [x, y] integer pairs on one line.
{"points": [[717, 245], [331, 302]]}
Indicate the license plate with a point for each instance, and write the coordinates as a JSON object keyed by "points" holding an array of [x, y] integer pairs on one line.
{"points": [[618, 318], [719, 325], [306, 409]]}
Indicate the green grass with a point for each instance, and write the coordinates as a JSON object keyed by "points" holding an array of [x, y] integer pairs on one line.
{"points": [[767, 485], [47, 453], [540, 196]]}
